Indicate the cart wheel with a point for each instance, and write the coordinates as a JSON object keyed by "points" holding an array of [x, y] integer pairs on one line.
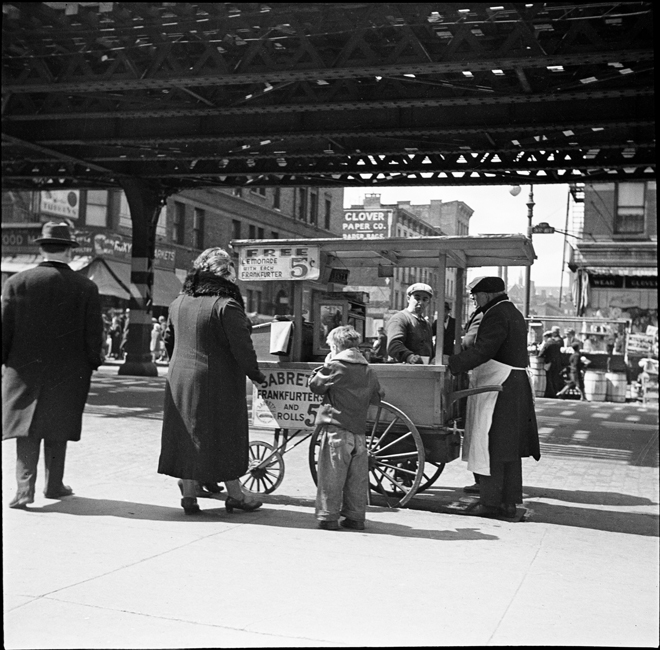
{"points": [[265, 469], [431, 472], [396, 455]]}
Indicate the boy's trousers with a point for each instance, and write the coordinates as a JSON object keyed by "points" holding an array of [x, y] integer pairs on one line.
{"points": [[343, 475]]}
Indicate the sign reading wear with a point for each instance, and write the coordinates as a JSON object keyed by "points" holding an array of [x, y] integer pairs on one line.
{"points": [[257, 263], [284, 400], [366, 224]]}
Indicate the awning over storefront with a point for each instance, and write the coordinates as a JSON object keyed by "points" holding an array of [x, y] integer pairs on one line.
{"points": [[114, 279], [18, 263]]}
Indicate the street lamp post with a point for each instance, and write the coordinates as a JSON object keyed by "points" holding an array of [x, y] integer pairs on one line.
{"points": [[514, 191], [528, 275]]}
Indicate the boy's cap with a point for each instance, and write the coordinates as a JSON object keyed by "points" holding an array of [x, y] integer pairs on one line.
{"points": [[419, 286]]}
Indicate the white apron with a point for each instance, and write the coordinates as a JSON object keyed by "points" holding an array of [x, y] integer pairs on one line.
{"points": [[479, 415]]}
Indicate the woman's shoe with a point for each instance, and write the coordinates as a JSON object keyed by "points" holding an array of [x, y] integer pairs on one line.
{"points": [[189, 505], [243, 504]]}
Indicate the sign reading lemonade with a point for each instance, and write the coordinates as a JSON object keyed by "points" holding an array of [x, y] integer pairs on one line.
{"points": [[258, 263], [284, 401]]}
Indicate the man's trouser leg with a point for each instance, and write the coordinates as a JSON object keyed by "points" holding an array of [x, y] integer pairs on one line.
{"points": [[27, 457], [504, 485], [54, 456]]}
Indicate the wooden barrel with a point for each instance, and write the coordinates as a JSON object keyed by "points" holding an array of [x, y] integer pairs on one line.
{"points": [[616, 384], [538, 375], [595, 385]]}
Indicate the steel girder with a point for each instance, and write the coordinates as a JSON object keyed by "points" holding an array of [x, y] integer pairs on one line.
{"points": [[368, 94]]}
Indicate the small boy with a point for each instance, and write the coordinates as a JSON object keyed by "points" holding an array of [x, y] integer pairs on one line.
{"points": [[348, 386]]}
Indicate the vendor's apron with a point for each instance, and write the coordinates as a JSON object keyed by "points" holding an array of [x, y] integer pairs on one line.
{"points": [[479, 416]]}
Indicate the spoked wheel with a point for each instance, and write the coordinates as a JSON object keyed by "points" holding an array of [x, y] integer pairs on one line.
{"points": [[431, 472], [265, 469], [396, 454]]}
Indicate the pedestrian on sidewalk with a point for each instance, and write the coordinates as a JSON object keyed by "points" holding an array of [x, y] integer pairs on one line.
{"points": [[205, 434], [52, 340], [348, 386], [502, 424], [577, 363]]}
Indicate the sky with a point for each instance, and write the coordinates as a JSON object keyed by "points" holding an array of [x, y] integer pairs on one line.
{"points": [[496, 211]]}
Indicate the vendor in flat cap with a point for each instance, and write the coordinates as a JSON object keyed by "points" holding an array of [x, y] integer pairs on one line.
{"points": [[501, 426], [409, 335], [52, 340]]}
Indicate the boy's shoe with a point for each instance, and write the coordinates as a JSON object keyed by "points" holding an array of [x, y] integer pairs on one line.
{"points": [[352, 524], [329, 525]]}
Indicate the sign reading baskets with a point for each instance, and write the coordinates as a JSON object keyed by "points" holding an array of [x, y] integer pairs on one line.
{"points": [[366, 224]]}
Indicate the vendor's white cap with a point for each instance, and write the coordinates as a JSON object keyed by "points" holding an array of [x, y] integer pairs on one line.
{"points": [[419, 286]]}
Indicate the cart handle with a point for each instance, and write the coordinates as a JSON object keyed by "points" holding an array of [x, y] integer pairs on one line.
{"points": [[459, 394]]}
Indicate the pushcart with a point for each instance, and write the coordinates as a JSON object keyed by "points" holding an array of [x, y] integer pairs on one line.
{"points": [[418, 428]]}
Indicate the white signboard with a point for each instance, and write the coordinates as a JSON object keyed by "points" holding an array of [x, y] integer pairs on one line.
{"points": [[366, 224], [258, 263], [60, 203], [284, 400]]}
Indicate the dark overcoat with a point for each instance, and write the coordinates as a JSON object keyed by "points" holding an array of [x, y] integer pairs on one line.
{"points": [[52, 340], [205, 420], [502, 336]]}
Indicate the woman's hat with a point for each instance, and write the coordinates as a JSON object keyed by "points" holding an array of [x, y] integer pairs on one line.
{"points": [[487, 284], [56, 233]]}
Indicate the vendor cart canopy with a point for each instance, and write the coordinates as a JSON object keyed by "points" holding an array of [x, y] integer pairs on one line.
{"points": [[426, 252]]}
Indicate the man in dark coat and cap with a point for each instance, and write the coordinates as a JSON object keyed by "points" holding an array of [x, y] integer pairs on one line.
{"points": [[52, 340], [502, 425]]}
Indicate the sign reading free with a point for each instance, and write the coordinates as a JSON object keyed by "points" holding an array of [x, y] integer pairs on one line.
{"points": [[284, 400], [366, 224], [258, 263]]}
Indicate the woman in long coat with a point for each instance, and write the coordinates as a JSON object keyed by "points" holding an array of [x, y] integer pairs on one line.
{"points": [[205, 423]]}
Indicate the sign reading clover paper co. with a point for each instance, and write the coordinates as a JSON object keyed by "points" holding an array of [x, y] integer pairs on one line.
{"points": [[258, 263]]}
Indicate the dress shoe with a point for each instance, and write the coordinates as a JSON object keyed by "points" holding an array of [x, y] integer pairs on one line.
{"points": [[508, 510], [329, 525], [352, 524], [480, 510], [63, 491], [20, 502], [189, 505], [243, 504], [472, 489]]}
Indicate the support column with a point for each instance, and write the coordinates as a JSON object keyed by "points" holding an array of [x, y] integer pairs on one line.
{"points": [[145, 202]]}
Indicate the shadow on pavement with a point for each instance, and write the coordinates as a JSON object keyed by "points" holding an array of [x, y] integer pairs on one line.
{"points": [[584, 496], [213, 510], [629, 523]]}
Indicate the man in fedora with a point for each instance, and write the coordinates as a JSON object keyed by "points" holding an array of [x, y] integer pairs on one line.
{"points": [[501, 426], [52, 340]]}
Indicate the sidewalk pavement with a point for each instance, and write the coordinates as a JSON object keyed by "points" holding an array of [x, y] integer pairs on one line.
{"points": [[119, 565]]}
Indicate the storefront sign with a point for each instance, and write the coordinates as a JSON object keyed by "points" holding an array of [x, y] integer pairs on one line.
{"points": [[639, 344], [366, 224], [642, 282], [623, 282], [606, 281], [284, 400], [108, 244], [258, 263], [60, 203], [20, 240]]}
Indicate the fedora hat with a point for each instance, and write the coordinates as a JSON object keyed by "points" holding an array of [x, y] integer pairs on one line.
{"points": [[56, 233]]}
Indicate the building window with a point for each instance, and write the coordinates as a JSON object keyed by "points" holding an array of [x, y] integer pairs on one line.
{"points": [[313, 208], [302, 204], [274, 234], [252, 231], [630, 208], [96, 213], [198, 228], [277, 197], [178, 225], [259, 190], [328, 205]]}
